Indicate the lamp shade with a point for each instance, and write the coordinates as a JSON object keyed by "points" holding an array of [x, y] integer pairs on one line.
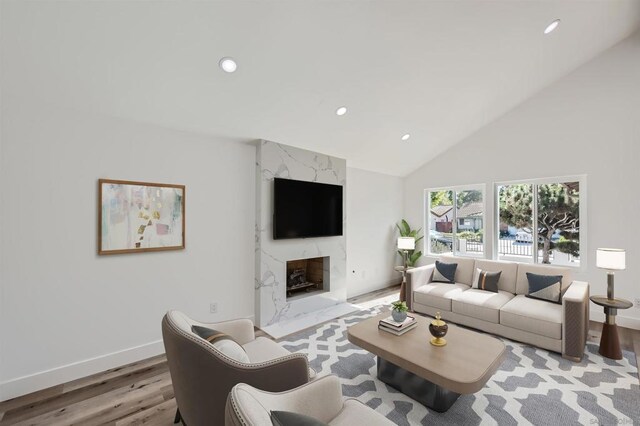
{"points": [[609, 258], [406, 243]]}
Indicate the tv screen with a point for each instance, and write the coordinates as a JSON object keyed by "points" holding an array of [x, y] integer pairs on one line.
{"points": [[306, 209]]}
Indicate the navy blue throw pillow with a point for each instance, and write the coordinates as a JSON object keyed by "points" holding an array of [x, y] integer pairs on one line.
{"points": [[444, 272], [545, 287]]}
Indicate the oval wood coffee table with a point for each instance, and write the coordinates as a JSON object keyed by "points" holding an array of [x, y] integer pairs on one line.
{"points": [[434, 376]]}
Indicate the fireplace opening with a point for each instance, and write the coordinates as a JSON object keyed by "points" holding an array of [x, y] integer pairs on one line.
{"points": [[307, 276]]}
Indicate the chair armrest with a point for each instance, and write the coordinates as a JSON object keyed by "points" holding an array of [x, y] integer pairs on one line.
{"points": [[415, 278], [278, 374], [320, 399], [575, 320], [240, 329]]}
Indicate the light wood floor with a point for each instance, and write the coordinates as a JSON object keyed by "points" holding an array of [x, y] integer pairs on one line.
{"points": [[141, 393]]}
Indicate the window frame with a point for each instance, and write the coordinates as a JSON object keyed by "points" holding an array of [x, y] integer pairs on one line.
{"points": [[581, 179], [454, 219]]}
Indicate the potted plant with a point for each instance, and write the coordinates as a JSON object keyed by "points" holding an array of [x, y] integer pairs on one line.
{"points": [[399, 311], [409, 256]]}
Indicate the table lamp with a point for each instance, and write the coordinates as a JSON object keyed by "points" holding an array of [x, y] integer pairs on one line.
{"points": [[405, 244], [611, 260]]}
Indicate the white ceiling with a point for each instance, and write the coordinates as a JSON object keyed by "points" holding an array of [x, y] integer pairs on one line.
{"points": [[438, 70]]}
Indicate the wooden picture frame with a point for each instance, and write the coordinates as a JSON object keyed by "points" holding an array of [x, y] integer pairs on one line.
{"points": [[137, 217]]}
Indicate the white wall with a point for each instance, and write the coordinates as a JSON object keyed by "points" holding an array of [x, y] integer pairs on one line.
{"points": [[374, 206], [66, 311], [586, 123]]}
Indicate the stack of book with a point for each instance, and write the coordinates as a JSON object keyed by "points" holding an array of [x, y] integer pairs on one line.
{"points": [[397, 328]]}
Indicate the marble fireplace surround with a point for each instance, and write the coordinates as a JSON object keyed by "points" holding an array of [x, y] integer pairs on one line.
{"points": [[273, 312]]}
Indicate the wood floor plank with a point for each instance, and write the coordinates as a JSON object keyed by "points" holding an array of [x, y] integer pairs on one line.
{"points": [[93, 388], [114, 373], [161, 414], [31, 399], [123, 410], [106, 405]]}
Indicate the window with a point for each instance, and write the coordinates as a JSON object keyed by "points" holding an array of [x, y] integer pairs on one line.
{"points": [[539, 221], [455, 218]]}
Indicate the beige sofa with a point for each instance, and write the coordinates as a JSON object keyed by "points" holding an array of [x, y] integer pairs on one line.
{"points": [[557, 327]]}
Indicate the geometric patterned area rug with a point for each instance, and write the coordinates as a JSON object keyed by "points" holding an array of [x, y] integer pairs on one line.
{"points": [[532, 386]]}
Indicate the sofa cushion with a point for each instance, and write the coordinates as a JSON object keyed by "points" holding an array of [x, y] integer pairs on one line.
{"points": [[480, 304], [444, 272], [522, 284], [544, 287], [535, 316], [485, 280], [438, 295], [465, 269], [263, 349], [509, 271]]}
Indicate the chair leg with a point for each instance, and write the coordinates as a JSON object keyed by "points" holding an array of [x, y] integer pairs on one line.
{"points": [[178, 417]]}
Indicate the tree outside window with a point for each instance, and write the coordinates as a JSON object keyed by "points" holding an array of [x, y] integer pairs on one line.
{"points": [[552, 210]]}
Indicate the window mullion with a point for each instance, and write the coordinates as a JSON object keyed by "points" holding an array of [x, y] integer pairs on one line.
{"points": [[454, 228], [534, 222]]}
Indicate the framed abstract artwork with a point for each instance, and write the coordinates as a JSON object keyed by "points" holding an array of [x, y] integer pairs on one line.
{"points": [[140, 216]]}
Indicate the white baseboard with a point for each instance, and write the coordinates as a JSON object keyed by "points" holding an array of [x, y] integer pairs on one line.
{"points": [[621, 320], [66, 373]]}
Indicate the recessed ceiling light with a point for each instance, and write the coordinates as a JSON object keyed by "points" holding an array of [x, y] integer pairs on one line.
{"points": [[228, 64], [552, 26], [406, 137], [341, 111]]}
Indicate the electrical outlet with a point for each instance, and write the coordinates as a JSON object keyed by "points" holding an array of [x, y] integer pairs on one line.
{"points": [[636, 302], [213, 307]]}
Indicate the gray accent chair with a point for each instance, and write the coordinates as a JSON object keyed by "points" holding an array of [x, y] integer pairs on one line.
{"points": [[320, 399], [202, 376]]}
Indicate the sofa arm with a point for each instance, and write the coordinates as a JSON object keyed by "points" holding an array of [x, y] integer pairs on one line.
{"points": [[241, 330], [415, 278], [575, 320]]}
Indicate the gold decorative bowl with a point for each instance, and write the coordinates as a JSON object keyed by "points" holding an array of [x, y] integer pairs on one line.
{"points": [[438, 329]]}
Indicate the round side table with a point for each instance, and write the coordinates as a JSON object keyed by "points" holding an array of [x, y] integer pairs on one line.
{"points": [[609, 341]]}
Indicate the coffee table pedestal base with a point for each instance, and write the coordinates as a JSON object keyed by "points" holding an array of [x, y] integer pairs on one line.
{"points": [[428, 394]]}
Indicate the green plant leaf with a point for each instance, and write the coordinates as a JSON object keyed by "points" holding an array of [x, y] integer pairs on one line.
{"points": [[413, 258], [406, 227]]}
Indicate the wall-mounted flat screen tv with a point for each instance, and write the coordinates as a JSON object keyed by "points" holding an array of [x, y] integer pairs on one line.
{"points": [[306, 209]]}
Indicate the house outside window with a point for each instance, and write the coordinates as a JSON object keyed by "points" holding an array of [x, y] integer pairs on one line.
{"points": [[454, 220], [538, 221]]}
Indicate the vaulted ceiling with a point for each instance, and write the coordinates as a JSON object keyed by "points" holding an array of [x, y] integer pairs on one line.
{"points": [[438, 70]]}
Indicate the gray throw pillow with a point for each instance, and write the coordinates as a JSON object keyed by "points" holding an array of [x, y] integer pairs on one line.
{"points": [[287, 418], [444, 272], [545, 287], [487, 280]]}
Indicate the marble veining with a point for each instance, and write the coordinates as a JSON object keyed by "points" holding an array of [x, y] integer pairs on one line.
{"points": [[277, 160]]}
